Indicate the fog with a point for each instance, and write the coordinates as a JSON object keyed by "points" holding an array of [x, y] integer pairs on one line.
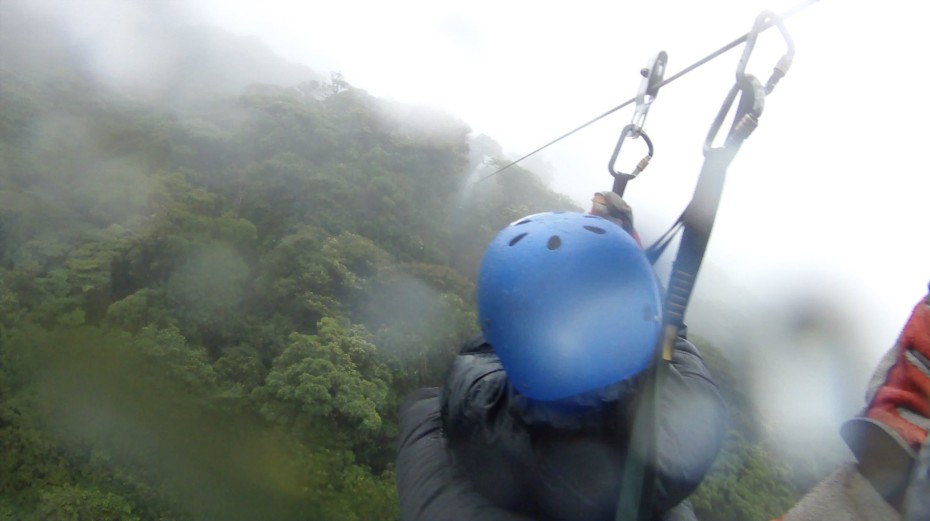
{"points": [[819, 249], [829, 184], [820, 246]]}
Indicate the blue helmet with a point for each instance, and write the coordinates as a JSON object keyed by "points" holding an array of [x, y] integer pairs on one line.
{"points": [[569, 302]]}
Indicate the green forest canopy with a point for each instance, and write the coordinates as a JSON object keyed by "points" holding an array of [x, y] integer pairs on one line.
{"points": [[212, 304]]}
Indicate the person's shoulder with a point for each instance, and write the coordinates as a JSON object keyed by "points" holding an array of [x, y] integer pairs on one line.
{"points": [[476, 360], [474, 388], [476, 345]]}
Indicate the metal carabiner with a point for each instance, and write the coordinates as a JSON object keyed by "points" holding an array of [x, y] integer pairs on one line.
{"points": [[648, 88], [765, 20], [751, 104], [621, 178], [652, 74], [752, 94]]}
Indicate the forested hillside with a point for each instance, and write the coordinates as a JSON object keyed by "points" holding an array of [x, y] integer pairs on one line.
{"points": [[211, 304]]}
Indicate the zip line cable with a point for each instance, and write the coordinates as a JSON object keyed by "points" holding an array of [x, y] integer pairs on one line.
{"points": [[784, 16]]}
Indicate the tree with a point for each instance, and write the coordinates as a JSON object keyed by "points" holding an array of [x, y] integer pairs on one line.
{"points": [[747, 481], [207, 295], [337, 82], [73, 503], [333, 380]]}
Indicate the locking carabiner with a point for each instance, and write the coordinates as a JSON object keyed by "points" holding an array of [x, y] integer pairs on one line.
{"points": [[752, 93], [621, 178], [751, 104], [765, 20], [648, 90]]}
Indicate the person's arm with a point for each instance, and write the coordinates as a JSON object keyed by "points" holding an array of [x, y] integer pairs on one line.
{"points": [[430, 486], [692, 422]]}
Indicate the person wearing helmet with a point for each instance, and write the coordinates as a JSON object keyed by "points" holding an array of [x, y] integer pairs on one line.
{"points": [[534, 421]]}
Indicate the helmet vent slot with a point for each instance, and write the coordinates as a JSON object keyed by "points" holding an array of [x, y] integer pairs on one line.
{"points": [[596, 229], [517, 239], [554, 242], [524, 221]]}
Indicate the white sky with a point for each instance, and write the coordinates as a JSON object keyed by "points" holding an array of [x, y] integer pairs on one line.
{"points": [[829, 195]]}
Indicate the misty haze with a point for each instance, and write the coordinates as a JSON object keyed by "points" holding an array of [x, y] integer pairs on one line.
{"points": [[221, 272]]}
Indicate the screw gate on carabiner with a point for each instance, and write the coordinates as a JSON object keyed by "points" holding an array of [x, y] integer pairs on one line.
{"points": [[751, 103], [648, 90], [621, 178]]}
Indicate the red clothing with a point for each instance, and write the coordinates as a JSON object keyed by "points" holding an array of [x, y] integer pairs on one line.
{"points": [[906, 388]]}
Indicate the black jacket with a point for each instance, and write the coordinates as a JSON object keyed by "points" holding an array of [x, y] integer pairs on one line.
{"points": [[477, 450]]}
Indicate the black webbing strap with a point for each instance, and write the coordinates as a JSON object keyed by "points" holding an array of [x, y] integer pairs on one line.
{"points": [[636, 502], [698, 218], [637, 493]]}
